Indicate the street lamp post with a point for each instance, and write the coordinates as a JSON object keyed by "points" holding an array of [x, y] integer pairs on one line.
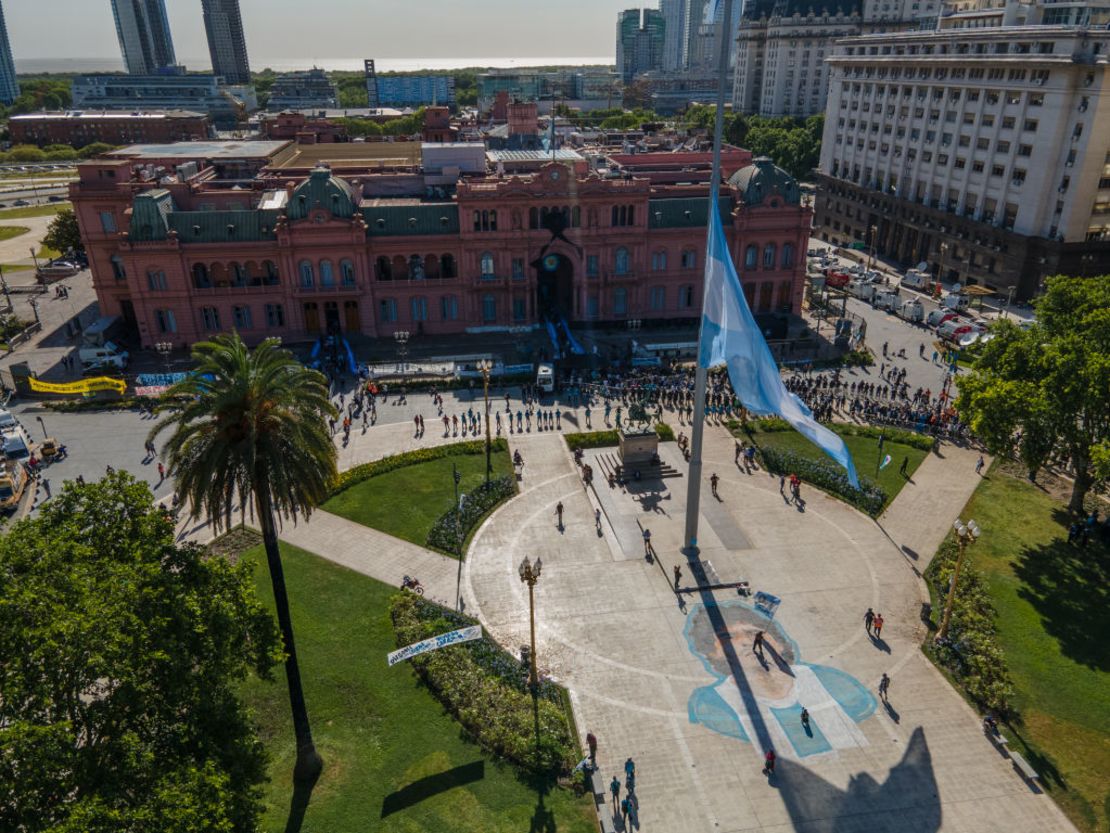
{"points": [[485, 365], [966, 535], [43, 425], [1010, 290], [35, 309], [530, 574], [940, 269], [35, 258], [874, 240]]}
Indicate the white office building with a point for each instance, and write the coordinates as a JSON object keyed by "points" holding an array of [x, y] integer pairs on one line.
{"points": [[981, 147]]}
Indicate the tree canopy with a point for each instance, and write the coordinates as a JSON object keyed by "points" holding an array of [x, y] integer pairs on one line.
{"points": [[63, 234], [120, 654], [1045, 390]]}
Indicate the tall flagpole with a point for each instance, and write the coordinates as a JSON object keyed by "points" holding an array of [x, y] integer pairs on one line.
{"points": [[693, 487]]}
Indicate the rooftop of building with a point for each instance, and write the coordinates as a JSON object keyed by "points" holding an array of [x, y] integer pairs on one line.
{"points": [[560, 155], [333, 113], [201, 150], [45, 115], [351, 154]]}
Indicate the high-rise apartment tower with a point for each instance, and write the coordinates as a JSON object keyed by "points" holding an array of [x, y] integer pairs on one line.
{"points": [[9, 87], [144, 35], [226, 43]]}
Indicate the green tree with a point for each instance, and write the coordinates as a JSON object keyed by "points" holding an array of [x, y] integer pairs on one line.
{"points": [[25, 153], [121, 656], [63, 234], [248, 428], [94, 149], [1046, 389]]}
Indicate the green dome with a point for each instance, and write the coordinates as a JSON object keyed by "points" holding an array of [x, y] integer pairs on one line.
{"points": [[762, 179], [322, 190]]}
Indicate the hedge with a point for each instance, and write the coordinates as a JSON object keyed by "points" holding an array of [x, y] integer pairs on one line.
{"points": [[452, 527], [869, 498], [486, 690], [604, 439], [769, 425], [410, 458], [971, 651]]}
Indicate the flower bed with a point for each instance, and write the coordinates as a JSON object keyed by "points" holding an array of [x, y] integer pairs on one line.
{"points": [[452, 527], [869, 498], [366, 470], [485, 689], [970, 651]]}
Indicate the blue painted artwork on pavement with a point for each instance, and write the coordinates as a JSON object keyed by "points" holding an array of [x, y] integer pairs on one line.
{"points": [[775, 686]]}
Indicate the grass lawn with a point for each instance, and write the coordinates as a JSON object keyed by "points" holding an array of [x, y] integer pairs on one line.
{"points": [[394, 760], [407, 501], [864, 450], [1053, 603], [46, 210], [8, 232]]}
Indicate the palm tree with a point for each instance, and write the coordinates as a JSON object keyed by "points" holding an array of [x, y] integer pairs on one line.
{"points": [[249, 427]]}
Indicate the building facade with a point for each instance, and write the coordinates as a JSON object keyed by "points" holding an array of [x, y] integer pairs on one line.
{"points": [[981, 150], [143, 30], [9, 84], [182, 256], [674, 34], [227, 43], [408, 90], [641, 35], [226, 106], [781, 46], [79, 128], [702, 36], [303, 90], [581, 89]]}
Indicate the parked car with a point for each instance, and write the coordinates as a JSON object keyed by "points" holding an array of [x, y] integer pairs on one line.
{"points": [[56, 198], [21, 203]]}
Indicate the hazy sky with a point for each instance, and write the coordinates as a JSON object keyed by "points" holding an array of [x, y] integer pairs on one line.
{"points": [[337, 28]]}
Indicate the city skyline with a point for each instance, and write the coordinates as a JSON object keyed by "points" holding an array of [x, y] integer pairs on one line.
{"points": [[353, 28]]}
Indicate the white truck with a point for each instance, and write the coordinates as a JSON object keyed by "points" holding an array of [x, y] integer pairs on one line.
{"points": [[545, 378], [912, 310], [916, 279], [886, 300], [956, 301], [862, 289], [97, 348]]}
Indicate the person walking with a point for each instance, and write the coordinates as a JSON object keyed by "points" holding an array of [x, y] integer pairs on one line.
{"points": [[979, 464], [713, 481], [597, 519], [647, 542], [677, 576], [559, 513], [782, 485], [868, 618], [161, 472], [739, 451], [769, 762], [624, 812], [757, 644], [903, 469], [615, 789], [877, 625], [630, 776], [591, 743], [884, 686]]}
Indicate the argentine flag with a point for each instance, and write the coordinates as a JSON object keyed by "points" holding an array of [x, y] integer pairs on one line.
{"points": [[730, 336]]}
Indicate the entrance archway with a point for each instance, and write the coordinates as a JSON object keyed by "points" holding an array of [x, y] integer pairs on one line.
{"points": [[554, 286]]}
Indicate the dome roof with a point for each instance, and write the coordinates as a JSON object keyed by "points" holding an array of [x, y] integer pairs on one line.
{"points": [[763, 178], [322, 191]]}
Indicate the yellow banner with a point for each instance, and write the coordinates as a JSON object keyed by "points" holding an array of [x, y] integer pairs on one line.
{"points": [[84, 386]]}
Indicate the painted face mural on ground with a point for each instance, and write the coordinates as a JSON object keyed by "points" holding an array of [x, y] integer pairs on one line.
{"points": [[779, 686]]}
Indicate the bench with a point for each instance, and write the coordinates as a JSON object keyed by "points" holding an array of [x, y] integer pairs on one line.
{"points": [[606, 819], [999, 740], [1024, 767]]}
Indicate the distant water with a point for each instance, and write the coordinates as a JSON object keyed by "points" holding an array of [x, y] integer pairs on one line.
{"points": [[37, 65]]}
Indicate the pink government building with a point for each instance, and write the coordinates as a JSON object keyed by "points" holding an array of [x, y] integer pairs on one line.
{"points": [[278, 238]]}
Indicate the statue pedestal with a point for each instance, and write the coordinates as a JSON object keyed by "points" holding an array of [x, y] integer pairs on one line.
{"points": [[638, 447]]}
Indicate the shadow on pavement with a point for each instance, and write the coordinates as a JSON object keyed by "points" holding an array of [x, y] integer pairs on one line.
{"points": [[432, 785]]}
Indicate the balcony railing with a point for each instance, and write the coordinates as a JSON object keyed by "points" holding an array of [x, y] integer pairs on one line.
{"points": [[328, 289]]}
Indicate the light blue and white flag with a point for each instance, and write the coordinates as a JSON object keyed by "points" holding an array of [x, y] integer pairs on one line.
{"points": [[884, 463], [730, 336]]}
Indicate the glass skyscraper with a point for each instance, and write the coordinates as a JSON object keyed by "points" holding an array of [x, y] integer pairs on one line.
{"points": [[226, 42], [9, 87], [144, 35]]}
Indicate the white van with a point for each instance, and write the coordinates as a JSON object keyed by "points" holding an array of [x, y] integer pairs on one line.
{"points": [[913, 310], [862, 289], [888, 300], [545, 378], [108, 356], [955, 301], [915, 279]]}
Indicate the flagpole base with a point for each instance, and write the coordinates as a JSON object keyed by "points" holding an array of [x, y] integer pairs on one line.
{"points": [[691, 550]]}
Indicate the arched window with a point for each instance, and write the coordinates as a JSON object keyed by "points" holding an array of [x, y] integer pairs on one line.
{"points": [[620, 301], [431, 266], [751, 256], [400, 268], [201, 280], [689, 259], [419, 308], [620, 262], [533, 218], [658, 261], [787, 256], [449, 308], [308, 278], [493, 220], [489, 308], [416, 268], [769, 256], [327, 274], [616, 217], [477, 220], [487, 265], [447, 266], [347, 272], [270, 273], [576, 216], [383, 269], [238, 274]]}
